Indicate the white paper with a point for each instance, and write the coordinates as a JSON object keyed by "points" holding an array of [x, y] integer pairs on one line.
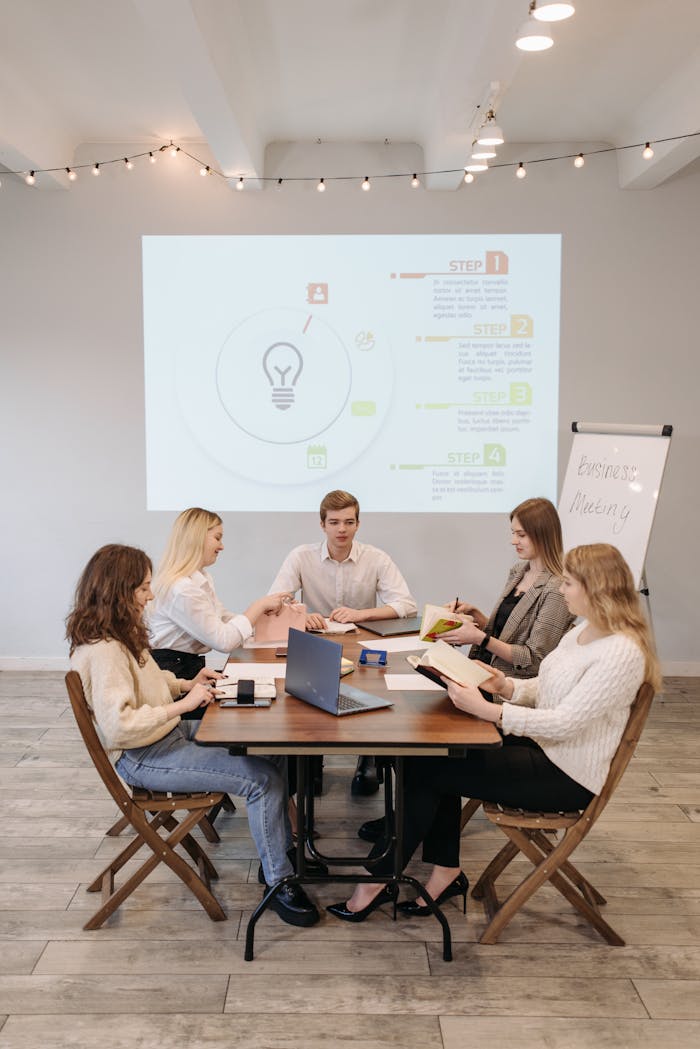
{"points": [[411, 683], [405, 643], [252, 643], [254, 671]]}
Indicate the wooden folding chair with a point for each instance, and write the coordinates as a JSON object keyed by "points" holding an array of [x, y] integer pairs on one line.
{"points": [[528, 833], [137, 805]]}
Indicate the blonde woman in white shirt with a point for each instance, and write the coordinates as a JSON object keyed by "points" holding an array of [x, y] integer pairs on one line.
{"points": [[188, 619], [561, 730]]}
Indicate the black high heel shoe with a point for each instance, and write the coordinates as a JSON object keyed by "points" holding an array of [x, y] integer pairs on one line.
{"points": [[387, 895], [458, 887]]}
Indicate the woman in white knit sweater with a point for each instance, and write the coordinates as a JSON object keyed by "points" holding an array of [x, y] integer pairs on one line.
{"points": [[561, 729]]}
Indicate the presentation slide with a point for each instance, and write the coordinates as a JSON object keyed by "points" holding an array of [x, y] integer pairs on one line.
{"points": [[419, 372]]}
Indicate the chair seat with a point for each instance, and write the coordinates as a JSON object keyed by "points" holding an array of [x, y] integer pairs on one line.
{"points": [[507, 817], [157, 800]]}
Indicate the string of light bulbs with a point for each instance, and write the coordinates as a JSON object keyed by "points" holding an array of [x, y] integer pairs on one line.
{"points": [[479, 163]]}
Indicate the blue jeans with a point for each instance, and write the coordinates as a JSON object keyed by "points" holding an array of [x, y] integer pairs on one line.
{"points": [[177, 764]]}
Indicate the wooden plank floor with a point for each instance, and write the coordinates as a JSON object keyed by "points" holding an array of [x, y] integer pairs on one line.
{"points": [[161, 974]]}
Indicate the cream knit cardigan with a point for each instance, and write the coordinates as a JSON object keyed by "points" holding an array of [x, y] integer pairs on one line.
{"points": [[578, 706]]}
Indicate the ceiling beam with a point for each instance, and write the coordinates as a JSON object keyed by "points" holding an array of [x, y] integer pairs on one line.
{"points": [[231, 136], [673, 109]]}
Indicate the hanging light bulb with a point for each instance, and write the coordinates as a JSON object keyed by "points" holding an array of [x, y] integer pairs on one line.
{"points": [[239, 184], [321, 186], [415, 182], [365, 185], [552, 10], [204, 171], [174, 150], [579, 161], [490, 134], [151, 158], [468, 177], [533, 35], [95, 169], [30, 179], [72, 175], [521, 172], [128, 164], [278, 187], [647, 152]]}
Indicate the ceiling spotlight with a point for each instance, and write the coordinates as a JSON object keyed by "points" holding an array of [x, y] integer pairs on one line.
{"points": [[321, 186], [365, 185], [490, 134], [647, 152], [468, 177], [579, 161], [521, 172], [30, 179], [128, 164], [415, 182], [95, 169], [239, 184], [71, 174], [151, 158], [533, 36], [478, 165], [552, 10]]}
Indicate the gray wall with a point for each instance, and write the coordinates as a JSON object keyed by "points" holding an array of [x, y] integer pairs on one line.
{"points": [[72, 415]]}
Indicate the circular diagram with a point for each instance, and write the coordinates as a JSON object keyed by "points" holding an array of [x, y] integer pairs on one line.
{"points": [[284, 399]]}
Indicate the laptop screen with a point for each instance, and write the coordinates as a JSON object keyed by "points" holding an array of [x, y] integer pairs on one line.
{"points": [[313, 669]]}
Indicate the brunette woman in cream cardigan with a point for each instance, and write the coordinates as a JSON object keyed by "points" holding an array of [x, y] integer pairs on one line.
{"points": [[561, 729]]}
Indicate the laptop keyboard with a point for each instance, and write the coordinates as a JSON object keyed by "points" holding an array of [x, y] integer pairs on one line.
{"points": [[347, 703]]}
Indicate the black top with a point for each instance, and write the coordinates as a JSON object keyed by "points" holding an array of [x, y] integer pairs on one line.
{"points": [[501, 618]]}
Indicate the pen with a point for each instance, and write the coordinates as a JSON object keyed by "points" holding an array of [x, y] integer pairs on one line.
{"points": [[456, 603]]}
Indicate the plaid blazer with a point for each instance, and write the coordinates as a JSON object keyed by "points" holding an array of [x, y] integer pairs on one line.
{"points": [[535, 626]]}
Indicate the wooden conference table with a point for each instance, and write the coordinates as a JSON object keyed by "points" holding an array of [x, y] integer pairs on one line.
{"points": [[419, 723]]}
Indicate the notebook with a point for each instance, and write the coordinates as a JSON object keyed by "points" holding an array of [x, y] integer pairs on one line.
{"points": [[313, 675], [391, 627]]}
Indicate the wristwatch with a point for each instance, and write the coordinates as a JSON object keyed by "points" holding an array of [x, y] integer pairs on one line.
{"points": [[487, 638]]}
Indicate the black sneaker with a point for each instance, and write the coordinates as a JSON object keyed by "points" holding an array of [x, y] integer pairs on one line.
{"points": [[293, 906]]}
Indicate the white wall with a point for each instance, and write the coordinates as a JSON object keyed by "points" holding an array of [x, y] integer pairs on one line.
{"points": [[71, 396]]}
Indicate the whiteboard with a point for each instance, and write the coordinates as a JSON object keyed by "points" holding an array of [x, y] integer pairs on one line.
{"points": [[611, 490]]}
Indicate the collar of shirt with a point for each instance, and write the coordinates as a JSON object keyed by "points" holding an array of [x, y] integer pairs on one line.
{"points": [[202, 579], [354, 554]]}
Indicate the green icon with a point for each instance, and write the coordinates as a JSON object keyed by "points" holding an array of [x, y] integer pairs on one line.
{"points": [[316, 457], [520, 393], [363, 408], [494, 455]]}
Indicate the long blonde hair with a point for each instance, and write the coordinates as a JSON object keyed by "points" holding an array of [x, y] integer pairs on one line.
{"points": [[539, 519], [605, 576], [185, 549]]}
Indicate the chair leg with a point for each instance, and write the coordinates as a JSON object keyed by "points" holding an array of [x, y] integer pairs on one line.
{"points": [[116, 828], [495, 868], [469, 809], [162, 852], [569, 871]]}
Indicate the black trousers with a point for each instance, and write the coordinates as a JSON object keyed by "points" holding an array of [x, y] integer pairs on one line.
{"points": [[184, 665], [519, 775]]}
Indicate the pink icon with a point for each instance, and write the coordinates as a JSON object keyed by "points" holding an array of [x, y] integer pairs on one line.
{"points": [[317, 294]]}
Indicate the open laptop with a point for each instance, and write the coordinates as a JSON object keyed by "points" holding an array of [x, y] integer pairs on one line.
{"points": [[393, 627], [313, 675]]}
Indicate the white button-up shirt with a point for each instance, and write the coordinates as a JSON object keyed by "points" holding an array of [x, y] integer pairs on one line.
{"points": [[190, 618], [366, 579]]}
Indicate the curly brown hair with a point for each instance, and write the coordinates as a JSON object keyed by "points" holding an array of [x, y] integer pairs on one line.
{"points": [[104, 608]]}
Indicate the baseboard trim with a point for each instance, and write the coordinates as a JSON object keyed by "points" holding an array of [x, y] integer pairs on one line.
{"points": [[680, 669], [28, 663], [55, 663]]}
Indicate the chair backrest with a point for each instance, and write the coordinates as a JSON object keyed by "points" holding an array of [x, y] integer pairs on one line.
{"points": [[86, 723], [639, 712]]}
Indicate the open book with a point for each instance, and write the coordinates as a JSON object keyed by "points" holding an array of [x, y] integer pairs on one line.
{"points": [[437, 620], [441, 660], [332, 627]]}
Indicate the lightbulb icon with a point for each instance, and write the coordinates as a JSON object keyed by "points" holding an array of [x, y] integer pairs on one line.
{"points": [[282, 364]]}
